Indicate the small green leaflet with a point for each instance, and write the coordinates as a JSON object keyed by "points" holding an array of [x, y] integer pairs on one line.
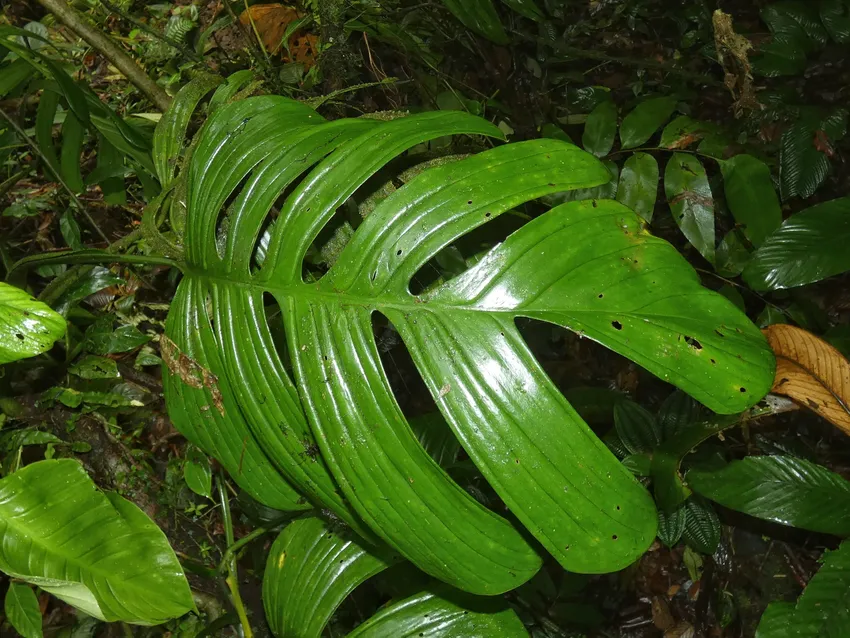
{"points": [[197, 472], [22, 610], [638, 187], [27, 326], [646, 118], [600, 129], [102, 339], [94, 367], [691, 201], [751, 197]]}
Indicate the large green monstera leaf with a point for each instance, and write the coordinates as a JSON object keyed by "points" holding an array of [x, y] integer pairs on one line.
{"points": [[334, 436]]}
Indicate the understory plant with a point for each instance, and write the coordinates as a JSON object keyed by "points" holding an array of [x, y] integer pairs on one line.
{"points": [[307, 420]]}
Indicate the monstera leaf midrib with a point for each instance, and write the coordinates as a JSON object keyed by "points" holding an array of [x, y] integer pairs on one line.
{"points": [[551, 471]]}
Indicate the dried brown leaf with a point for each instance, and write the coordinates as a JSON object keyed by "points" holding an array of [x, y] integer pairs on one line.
{"points": [[812, 372]]}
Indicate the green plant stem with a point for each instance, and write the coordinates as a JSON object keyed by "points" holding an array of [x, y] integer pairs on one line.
{"points": [[230, 552], [22, 266], [80, 206], [111, 51], [152, 32], [232, 578]]}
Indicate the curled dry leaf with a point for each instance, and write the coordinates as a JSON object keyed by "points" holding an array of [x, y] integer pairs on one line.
{"points": [[811, 372]]}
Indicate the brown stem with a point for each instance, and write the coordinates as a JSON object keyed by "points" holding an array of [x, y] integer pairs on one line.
{"points": [[110, 51]]}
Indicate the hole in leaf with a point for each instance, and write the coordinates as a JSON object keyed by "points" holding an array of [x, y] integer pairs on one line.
{"points": [[616, 325], [742, 390], [693, 343]]}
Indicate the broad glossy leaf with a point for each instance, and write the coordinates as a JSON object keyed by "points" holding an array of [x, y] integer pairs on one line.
{"points": [[310, 570], [22, 610], [809, 246], [102, 338], [823, 610], [638, 185], [27, 326], [443, 616], [691, 201], [751, 197], [96, 551], [480, 16], [782, 489], [644, 120], [600, 129], [586, 265], [804, 153]]}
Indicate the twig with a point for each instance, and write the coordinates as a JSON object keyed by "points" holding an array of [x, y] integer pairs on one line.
{"points": [[230, 552], [110, 51], [22, 134], [232, 579], [152, 32]]}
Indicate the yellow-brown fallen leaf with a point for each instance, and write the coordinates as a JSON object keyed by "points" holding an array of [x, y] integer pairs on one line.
{"points": [[811, 372], [271, 22]]}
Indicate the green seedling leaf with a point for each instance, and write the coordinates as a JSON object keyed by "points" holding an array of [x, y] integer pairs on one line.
{"points": [[702, 526], [93, 367], [637, 428]]}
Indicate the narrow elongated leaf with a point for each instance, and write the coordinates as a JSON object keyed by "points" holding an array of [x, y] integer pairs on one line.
{"points": [[171, 128], [691, 201], [812, 372], [782, 489], [638, 186], [13, 75], [600, 129], [443, 616], [27, 326], [310, 570], [589, 266], [96, 551], [22, 610], [751, 197], [73, 134], [644, 120], [823, 610], [480, 16], [44, 117], [809, 246]]}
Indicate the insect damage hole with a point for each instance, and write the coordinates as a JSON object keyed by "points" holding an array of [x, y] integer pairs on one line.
{"points": [[693, 343], [616, 325]]}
